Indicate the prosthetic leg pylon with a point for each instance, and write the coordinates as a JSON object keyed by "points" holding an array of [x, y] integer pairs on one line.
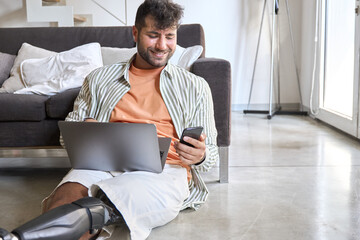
{"points": [[67, 222]]}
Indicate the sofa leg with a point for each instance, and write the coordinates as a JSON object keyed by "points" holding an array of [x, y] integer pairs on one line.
{"points": [[224, 164]]}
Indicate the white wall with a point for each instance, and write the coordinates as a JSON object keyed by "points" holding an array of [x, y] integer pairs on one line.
{"points": [[308, 46], [13, 14], [231, 32]]}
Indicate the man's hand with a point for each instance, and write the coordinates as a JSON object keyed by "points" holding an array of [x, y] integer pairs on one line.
{"points": [[191, 155], [90, 120]]}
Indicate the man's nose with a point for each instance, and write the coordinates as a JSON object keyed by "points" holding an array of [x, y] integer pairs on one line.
{"points": [[161, 43]]}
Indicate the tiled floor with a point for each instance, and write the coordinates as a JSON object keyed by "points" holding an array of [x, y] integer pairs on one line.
{"points": [[290, 178]]}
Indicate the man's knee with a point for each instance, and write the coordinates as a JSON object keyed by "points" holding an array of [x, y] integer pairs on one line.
{"points": [[66, 193]]}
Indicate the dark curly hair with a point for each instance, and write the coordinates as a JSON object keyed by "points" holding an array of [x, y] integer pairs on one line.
{"points": [[165, 13]]}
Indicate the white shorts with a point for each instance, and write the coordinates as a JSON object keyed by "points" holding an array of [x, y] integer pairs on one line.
{"points": [[145, 200]]}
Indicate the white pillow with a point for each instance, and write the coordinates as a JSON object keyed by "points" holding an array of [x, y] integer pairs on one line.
{"points": [[111, 55], [26, 51], [185, 57], [60, 72]]}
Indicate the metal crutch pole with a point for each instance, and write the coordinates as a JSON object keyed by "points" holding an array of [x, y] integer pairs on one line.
{"points": [[293, 52], [272, 61], [256, 55]]}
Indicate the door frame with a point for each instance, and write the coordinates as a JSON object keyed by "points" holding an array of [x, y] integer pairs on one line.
{"points": [[338, 120]]}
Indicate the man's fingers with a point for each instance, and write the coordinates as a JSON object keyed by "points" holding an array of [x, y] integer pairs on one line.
{"points": [[191, 155], [196, 143]]}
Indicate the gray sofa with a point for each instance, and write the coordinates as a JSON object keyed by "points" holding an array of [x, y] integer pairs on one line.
{"points": [[31, 120]]}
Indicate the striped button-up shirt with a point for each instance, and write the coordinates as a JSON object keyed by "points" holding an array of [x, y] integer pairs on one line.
{"points": [[186, 96]]}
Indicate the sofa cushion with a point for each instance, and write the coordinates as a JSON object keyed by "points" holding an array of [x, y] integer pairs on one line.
{"points": [[6, 63], [59, 105], [111, 55], [21, 107]]}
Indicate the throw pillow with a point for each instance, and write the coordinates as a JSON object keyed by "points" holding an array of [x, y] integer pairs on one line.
{"points": [[26, 51], [111, 55], [65, 70], [185, 57], [6, 63]]}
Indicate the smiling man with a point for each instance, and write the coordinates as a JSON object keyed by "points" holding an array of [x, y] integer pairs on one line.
{"points": [[155, 46], [146, 89]]}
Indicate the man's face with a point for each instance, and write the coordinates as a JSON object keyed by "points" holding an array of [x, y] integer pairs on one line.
{"points": [[155, 46]]}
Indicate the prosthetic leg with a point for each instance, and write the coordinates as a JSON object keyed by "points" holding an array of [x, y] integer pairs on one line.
{"points": [[67, 222]]}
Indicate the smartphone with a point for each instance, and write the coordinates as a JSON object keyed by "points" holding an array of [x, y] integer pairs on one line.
{"points": [[193, 132]]}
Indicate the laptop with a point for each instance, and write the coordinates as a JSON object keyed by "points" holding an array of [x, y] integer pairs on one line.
{"points": [[116, 146]]}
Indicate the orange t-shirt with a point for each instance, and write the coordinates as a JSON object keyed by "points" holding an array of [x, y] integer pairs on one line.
{"points": [[144, 104]]}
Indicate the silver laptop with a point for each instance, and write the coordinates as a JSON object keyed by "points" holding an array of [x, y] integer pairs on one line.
{"points": [[114, 146]]}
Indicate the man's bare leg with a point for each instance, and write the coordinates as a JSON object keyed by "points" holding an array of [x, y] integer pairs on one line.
{"points": [[68, 193]]}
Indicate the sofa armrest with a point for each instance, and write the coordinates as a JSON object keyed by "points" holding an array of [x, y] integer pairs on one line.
{"points": [[217, 72]]}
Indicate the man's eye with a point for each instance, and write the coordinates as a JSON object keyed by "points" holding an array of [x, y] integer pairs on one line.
{"points": [[152, 36]]}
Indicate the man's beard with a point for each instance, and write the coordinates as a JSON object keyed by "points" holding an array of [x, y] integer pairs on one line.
{"points": [[150, 59]]}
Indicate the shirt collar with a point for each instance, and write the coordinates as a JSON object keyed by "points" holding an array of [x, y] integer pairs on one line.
{"points": [[125, 74]]}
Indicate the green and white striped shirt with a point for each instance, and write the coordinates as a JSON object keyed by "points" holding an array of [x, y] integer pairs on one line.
{"points": [[186, 96]]}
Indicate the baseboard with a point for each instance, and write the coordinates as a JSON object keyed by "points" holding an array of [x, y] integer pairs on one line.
{"points": [[265, 107]]}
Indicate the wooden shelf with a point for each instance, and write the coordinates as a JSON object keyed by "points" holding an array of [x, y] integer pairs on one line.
{"points": [[78, 18]]}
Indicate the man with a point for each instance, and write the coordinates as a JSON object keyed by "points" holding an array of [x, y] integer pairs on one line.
{"points": [[147, 89]]}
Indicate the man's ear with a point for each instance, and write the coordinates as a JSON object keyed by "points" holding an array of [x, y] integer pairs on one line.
{"points": [[135, 33]]}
